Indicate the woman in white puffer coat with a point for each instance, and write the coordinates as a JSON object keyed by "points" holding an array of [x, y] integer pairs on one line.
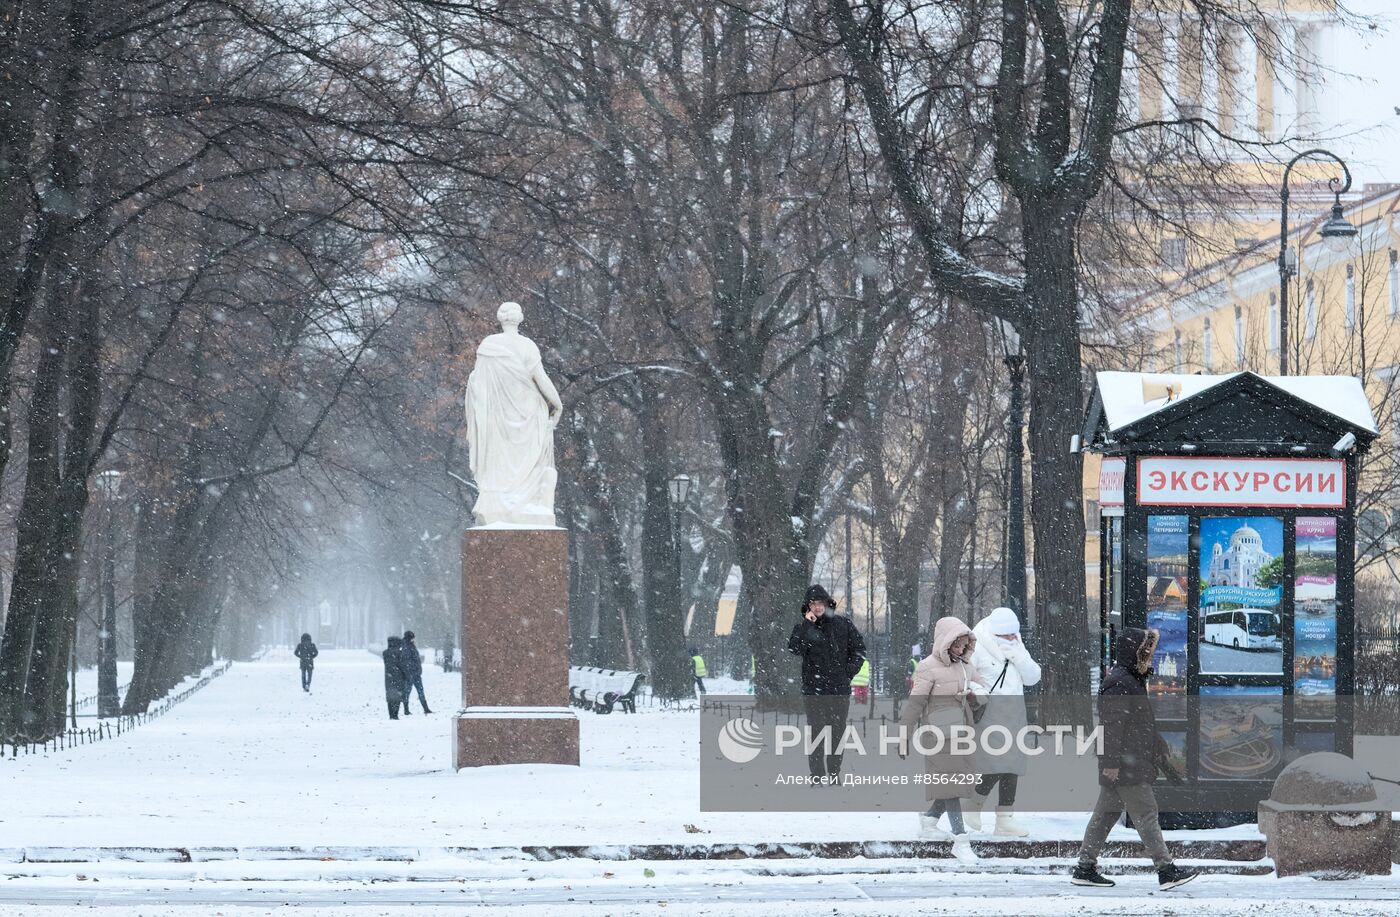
{"points": [[1004, 663]]}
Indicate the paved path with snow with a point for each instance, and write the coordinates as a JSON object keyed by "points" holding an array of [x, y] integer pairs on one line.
{"points": [[727, 894]]}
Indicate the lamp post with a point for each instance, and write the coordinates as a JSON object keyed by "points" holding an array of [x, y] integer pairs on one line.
{"points": [[1337, 233], [1015, 479], [680, 487], [108, 699]]}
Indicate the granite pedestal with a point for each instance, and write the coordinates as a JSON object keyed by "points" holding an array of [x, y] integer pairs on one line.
{"points": [[515, 649]]}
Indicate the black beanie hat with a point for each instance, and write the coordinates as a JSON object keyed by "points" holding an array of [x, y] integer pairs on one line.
{"points": [[815, 593]]}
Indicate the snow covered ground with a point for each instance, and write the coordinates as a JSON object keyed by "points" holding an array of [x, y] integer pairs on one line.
{"points": [[252, 761]]}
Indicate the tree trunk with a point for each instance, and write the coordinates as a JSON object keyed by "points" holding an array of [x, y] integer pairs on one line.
{"points": [[1056, 412], [665, 637]]}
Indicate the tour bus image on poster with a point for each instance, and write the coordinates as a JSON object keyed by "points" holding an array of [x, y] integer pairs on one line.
{"points": [[1241, 576]]}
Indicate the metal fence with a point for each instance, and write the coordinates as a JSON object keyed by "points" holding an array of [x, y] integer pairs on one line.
{"points": [[116, 726]]}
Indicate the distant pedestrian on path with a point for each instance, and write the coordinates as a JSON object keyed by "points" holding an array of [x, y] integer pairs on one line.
{"points": [[697, 668], [306, 651], [860, 685], [832, 652], [1133, 752], [395, 677], [413, 672]]}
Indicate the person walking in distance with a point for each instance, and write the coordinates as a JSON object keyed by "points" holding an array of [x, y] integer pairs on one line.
{"points": [[860, 684], [697, 668], [832, 652], [1133, 752], [412, 672], [946, 690], [395, 677], [1006, 667], [306, 652]]}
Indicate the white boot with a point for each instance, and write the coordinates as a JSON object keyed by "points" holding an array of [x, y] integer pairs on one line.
{"points": [[962, 849], [929, 830], [1007, 826], [972, 812]]}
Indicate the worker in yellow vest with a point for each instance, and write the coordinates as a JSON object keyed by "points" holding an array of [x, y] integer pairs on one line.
{"points": [[697, 664], [860, 684]]}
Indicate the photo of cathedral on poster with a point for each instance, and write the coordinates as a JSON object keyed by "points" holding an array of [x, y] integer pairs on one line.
{"points": [[1240, 563]]}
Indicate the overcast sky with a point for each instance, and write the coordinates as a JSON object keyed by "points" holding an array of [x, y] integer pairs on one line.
{"points": [[1362, 96]]}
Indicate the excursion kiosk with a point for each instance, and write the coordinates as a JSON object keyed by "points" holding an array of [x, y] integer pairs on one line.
{"points": [[1227, 525]]}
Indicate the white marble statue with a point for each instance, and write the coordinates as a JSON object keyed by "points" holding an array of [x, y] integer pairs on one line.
{"points": [[512, 409]]}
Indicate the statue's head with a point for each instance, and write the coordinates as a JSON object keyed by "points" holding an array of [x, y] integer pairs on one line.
{"points": [[510, 314]]}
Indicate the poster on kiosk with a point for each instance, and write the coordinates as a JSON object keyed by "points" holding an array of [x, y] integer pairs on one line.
{"points": [[1238, 499]]}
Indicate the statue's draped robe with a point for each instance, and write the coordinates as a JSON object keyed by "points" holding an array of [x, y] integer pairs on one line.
{"points": [[510, 435]]}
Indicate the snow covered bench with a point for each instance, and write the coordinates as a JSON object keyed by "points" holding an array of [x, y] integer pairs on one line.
{"points": [[600, 690]]}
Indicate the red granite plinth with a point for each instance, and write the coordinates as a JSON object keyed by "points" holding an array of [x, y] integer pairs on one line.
{"points": [[515, 735], [515, 649]]}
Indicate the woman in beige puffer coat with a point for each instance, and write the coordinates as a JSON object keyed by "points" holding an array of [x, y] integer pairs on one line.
{"points": [[943, 694]]}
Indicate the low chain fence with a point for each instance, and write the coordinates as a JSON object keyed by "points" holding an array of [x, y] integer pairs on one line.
{"points": [[113, 727]]}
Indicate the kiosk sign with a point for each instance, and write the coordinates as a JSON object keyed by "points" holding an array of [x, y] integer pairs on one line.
{"points": [[1207, 481]]}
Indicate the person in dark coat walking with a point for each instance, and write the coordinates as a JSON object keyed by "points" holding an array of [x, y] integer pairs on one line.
{"points": [[1133, 752], [832, 652], [395, 677], [306, 651], [413, 673]]}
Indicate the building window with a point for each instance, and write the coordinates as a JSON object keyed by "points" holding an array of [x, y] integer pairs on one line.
{"points": [[1394, 286], [1207, 347], [1351, 297], [1310, 311], [1273, 321], [1174, 252], [1239, 336], [1176, 350]]}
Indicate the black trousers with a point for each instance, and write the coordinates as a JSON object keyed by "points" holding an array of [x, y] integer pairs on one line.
{"points": [[408, 686], [306, 677], [699, 684], [825, 712], [1006, 788]]}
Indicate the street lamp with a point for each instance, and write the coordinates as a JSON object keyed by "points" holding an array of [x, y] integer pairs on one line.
{"points": [[680, 490], [108, 699], [1336, 234], [680, 487], [1015, 480]]}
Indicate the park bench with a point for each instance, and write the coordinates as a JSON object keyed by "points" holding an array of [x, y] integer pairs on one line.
{"points": [[600, 690]]}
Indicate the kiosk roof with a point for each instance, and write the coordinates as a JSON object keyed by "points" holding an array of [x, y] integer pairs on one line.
{"points": [[1125, 401]]}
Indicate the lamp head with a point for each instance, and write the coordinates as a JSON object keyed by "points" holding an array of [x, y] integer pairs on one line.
{"points": [[1337, 233]]}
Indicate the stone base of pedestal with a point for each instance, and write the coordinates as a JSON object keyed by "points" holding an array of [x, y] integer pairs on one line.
{"points": [[514, 735]]}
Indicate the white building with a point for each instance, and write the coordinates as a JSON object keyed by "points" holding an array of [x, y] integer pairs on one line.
{"points": [[1239, 564]]}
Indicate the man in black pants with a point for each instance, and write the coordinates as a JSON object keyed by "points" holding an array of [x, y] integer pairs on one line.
{"points": [[306, 652], [412, 672], [832, 652]]}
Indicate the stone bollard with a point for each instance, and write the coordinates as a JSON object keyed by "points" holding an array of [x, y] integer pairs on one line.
{"points": [[1323, 819]]}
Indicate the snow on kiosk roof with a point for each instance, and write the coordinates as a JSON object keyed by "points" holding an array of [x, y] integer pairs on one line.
{"points": [[1246, 411]]}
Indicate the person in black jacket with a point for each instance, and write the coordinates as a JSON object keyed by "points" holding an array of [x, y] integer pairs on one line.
{"points": [[832, 652], [413, 673], [1133, 752], [394, 677], [306, 651]]}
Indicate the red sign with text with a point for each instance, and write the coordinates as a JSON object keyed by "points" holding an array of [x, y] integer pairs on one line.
{"points": [[1191, 481]]}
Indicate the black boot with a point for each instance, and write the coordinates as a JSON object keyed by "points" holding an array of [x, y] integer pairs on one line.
{"points": [[1089, 875], [1173, 876]]}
